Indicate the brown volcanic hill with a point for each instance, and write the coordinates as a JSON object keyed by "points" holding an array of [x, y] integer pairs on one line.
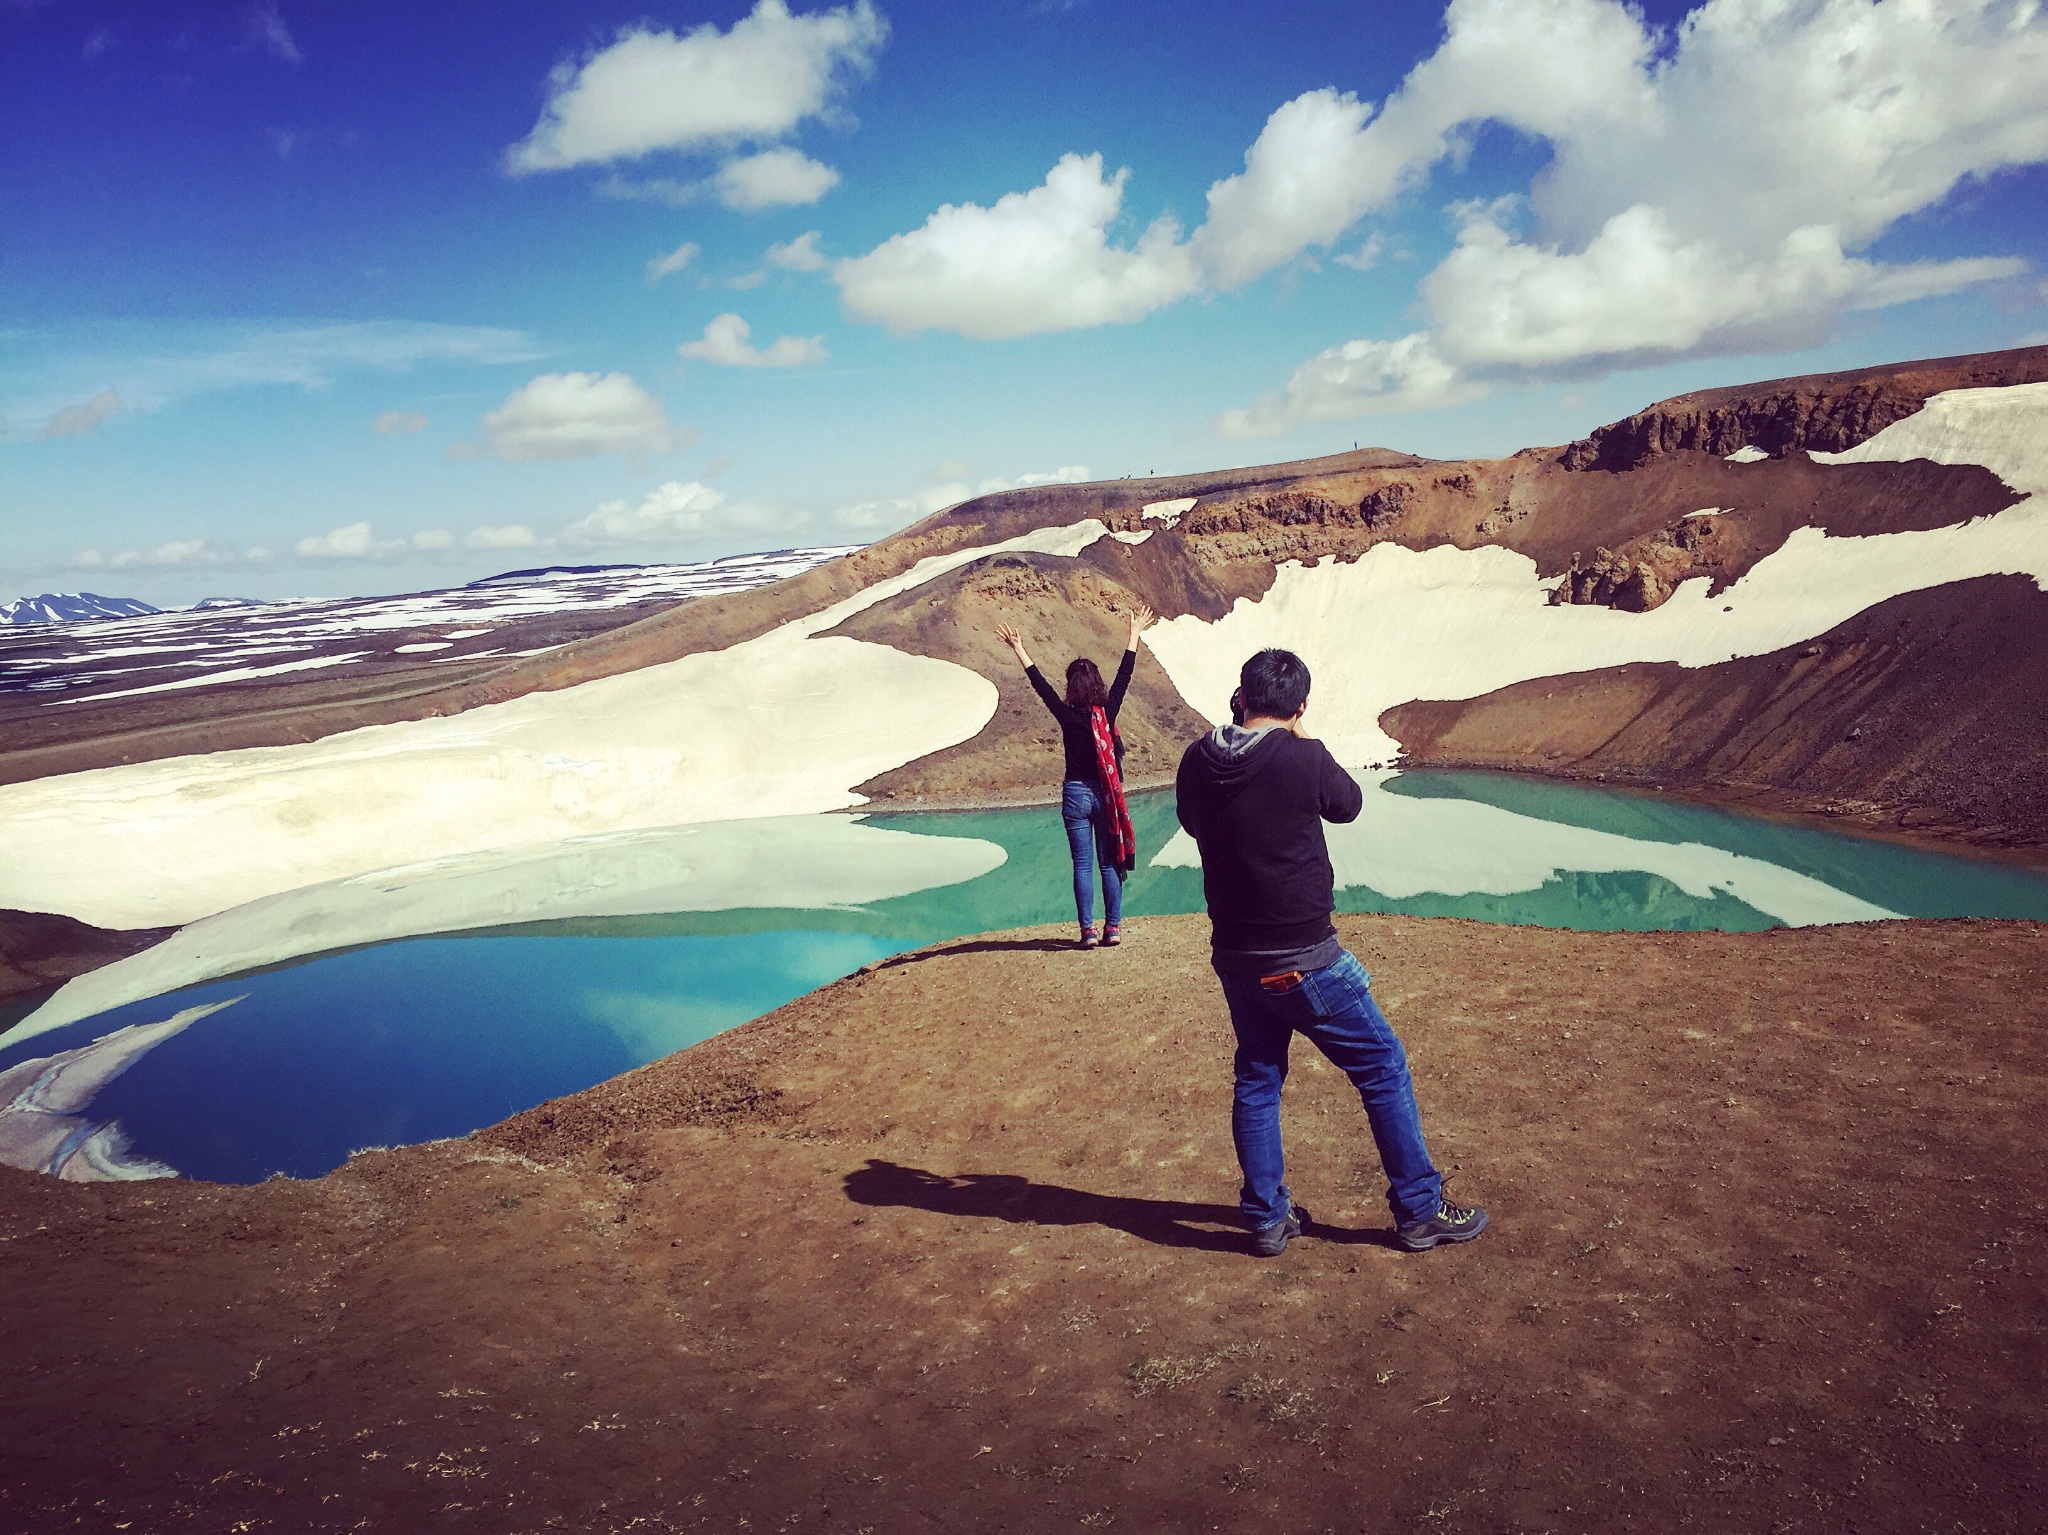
{"points": [[951, 1245], [1924, 714]]}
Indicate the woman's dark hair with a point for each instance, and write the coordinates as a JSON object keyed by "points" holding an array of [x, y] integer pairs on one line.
{"points": [[1273, 685], [1085, 689]]}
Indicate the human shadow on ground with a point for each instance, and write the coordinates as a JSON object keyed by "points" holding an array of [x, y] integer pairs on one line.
{"points": [[1010, 1197], [978, 946]]}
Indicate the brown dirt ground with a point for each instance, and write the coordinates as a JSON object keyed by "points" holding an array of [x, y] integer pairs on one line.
{"points": [[1922, 715], [950, 1245], [39, 949]]}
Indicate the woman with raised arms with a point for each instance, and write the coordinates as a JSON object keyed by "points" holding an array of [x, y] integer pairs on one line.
{"points": [[1092, 795]]}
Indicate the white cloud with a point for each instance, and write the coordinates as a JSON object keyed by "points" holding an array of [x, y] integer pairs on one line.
{"points": [[798, 255], [673, 511], [1709, 199], [399, 423], [578, 415], [650, 189], [349, 543], [77, 420], [1366, 257], [673, 262], [1359, 378], [775, 178], [725, 343], [653, 90], [1037, 261], [183, 551], [883, 516], [357, 541], [265, 27], [514, 535]]}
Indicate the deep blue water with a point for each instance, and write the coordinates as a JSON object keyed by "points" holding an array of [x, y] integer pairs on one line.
{"points": [[435, 1036]]}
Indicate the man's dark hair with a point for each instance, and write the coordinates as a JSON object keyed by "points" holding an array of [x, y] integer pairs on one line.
{"points": [[1274, 683]]}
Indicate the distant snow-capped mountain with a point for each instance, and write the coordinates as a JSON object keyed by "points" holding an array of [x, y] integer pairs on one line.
{"points": [[71, 608]]}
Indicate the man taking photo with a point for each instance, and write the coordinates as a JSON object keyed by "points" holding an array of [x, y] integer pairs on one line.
{"points": [[1254, 795]]}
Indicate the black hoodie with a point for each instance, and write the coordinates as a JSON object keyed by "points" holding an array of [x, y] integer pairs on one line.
{"points": [[1255, 803]]}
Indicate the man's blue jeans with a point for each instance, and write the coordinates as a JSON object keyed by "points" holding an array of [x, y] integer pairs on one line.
{"points": [[1082, 808], [1335, 1009]]}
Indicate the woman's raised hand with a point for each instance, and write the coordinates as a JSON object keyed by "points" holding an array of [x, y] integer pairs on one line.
{"points": [[1009, 636], [1142, 618]]}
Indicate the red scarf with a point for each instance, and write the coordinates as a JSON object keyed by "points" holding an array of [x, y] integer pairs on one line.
{"points": [[1123, 841]]}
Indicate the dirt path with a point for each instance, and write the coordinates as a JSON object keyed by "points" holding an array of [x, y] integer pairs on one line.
{"points": [[951, 1246]]}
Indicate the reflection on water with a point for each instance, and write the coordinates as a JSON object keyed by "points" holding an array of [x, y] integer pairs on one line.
{"points": [[540, 974]]}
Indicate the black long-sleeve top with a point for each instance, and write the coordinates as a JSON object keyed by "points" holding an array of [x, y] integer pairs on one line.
{"points": [[1255, 805], [1075, 732]]}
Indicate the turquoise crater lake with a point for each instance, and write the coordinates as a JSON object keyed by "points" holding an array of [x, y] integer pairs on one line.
{"points": [[402, 1031]]}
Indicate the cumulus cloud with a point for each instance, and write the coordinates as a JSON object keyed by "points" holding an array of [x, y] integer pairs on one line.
{"points": [[512, 535], [654, 90], [580, 415], [398, 423], [798, 255], [1707, 199], [676, 510], [1359, 378], [775, 178], [77, 420], [725, 343], [673, 262], [433, 539], [1037, 261]]}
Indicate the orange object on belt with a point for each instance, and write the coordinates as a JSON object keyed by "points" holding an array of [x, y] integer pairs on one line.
{"points": [[1281, 983]]}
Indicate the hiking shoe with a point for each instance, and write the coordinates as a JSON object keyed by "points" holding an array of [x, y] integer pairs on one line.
{"points": [[1110, 937], [1089, 940], [1271, 1241], [1451, 1223]]}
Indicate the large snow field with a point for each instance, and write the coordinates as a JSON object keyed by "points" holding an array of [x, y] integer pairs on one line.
{"points": [[785, 724]]}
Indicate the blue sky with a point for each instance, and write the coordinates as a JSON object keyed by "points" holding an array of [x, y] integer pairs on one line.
{"points": [[311, 298]]}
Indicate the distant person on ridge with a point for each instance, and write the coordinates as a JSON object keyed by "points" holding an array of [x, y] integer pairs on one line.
{"points": [[1253, 795], [1092, 795]]}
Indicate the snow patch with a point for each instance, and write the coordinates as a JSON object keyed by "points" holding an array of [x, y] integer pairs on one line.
{"points": [[1168, 512], [1747, 454], [215, 679], [43, 1127]]}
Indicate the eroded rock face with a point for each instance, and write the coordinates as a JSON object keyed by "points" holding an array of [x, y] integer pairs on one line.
{"points": [[1644, 572], [1775, 423], [1826, 413]]}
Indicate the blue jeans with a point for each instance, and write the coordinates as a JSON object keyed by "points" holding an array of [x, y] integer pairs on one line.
{"points": [[1335, 1009], [1087, 818]]}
